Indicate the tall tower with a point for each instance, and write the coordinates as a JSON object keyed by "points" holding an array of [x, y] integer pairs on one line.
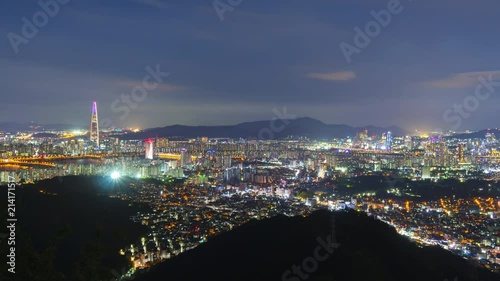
{"points": [[149, 149], [94, 126]]}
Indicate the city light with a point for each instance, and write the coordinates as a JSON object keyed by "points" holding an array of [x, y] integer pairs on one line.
{"points": [[115, 175], [389, 141]]}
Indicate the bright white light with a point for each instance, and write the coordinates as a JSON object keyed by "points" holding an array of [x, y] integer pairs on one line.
{"points": [[115, 175], [138, 176]]}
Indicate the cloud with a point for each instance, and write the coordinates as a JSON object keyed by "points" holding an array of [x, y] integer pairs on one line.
{"points": [[153, 3], [462, 80], [333, 76]]}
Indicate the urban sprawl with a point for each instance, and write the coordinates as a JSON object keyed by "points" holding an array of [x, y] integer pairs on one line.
{"points": [[436, 189]]}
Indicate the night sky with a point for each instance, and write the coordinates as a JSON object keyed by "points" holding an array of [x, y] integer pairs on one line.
{"points": [[262, 55]]}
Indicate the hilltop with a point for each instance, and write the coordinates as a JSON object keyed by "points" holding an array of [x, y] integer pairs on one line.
{"points": [[268, 250]]}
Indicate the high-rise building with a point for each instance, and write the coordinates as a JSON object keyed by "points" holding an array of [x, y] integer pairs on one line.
{"points": [[388, 141], [226, 161], [94, 126], [461, 158], [162, 144], [185, 157], [426, 172], [150, 149]]}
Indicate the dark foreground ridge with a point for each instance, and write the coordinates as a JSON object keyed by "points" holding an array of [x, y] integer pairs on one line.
{"points": [[71, 230], [274, 249]]}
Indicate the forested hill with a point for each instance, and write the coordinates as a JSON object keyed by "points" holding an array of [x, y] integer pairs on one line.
{"points": [[268, 250]]}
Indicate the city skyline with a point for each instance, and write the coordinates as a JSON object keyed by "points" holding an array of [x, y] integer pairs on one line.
{"points": [[293, 56], [279, 116], [250, 140]]}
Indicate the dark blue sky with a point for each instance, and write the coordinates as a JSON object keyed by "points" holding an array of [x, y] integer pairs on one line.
{"points": [[263, 55]]}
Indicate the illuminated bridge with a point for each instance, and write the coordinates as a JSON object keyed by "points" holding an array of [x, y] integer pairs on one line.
{"points": [[75, 157], [18, 164], [172, 156], [48, 161]]}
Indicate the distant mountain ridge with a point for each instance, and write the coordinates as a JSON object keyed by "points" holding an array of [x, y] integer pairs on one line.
{"points": [[303, 126], [481, 134], [268, 129], [14, 127]]}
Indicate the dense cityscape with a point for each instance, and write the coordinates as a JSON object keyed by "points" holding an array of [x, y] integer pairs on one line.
{"points": [[339, 140], [205, 186]]}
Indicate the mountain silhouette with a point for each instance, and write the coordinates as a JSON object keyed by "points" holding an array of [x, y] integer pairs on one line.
{"points": [[14, 127], [477, 134], [269, 129]]}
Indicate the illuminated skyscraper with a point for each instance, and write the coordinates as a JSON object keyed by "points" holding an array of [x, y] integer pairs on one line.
{"points": [[185, 158], [161, 144], [94, 126], [150, 149], [388, 141], [461, 158]]}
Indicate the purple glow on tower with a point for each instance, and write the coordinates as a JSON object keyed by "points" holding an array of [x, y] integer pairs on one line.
{"points": [[94, 126]]}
